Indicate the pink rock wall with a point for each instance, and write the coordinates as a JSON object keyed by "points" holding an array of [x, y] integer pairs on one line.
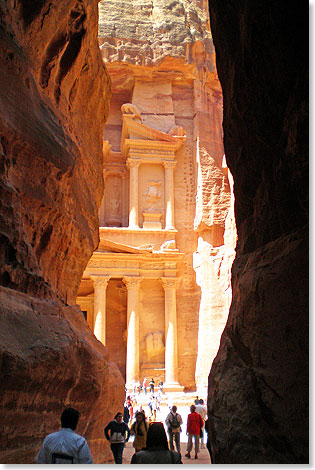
{"points": [[48, 94], [54, 98]]}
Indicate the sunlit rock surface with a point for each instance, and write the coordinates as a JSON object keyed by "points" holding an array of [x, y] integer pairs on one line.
{"points": [[54, 98], [146, 32], [258, 386], [160, 57]]}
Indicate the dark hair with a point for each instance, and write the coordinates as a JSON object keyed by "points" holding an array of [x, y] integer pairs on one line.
{"points": [[174, 408], [69, 418], [156, 436], [201, 401], [117, 414]]}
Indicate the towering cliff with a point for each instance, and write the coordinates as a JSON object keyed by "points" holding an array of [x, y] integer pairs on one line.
{"points": [[258, 386], [54, 99]]}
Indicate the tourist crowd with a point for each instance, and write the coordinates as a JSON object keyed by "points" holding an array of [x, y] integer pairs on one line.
{"points": [[150, 441]]}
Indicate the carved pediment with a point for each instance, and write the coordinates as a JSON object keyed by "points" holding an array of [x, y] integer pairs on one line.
{"points": [[113, 247], [134, 130]]}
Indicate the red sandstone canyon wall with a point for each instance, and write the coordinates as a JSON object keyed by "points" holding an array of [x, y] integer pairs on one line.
{"points": [[54, 100], [258, 385]]}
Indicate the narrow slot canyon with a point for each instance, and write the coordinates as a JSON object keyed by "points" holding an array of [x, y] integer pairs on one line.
{"points": [[154, 219]]}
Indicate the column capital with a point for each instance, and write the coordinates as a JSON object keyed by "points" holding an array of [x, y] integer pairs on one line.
{"points": [[132, 282], [169, 164], [132, 162], [169, 282], [99, 280]]}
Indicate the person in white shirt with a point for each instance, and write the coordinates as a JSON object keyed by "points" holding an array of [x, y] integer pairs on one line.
{"points": [[202, 410], [65, 446]]}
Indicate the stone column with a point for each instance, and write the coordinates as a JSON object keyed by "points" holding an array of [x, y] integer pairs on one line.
{"points": [[171, 360], [132, 361], [133, 166], [169, 194], [100, 285]]}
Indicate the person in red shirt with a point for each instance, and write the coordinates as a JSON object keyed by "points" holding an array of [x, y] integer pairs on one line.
{"points": [[194, 424]]}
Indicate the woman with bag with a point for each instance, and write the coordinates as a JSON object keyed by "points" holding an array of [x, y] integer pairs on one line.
{"points": [[140, 431]]}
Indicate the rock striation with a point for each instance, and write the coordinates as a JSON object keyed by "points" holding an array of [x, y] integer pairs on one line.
{"points": [[54, 100], [258, 385], [48, 152]]}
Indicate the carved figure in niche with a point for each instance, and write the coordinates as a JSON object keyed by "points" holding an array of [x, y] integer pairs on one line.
{"points": [[113, 192], [152, 194], [114, 205], [199, 53], [129, 108], [177, 131], [154, 346]]}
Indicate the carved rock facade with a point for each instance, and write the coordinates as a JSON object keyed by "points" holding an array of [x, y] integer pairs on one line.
{"points": [[166, 208]]}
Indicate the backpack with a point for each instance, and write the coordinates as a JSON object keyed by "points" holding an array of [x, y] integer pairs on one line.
{"points": [[174, 423]]}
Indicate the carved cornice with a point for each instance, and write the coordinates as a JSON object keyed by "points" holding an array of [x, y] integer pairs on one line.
{"points": [[87, 299], [148, 150], [150, 147], [115, 171], [127, 231], [100, 281], [159, 256]]}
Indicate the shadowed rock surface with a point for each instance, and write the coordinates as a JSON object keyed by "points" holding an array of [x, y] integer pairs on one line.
{"points": [[258, 385], [54, 99]]}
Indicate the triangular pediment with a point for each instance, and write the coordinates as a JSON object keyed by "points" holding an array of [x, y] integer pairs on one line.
{"points": [[138, 135], [135, 128], [109, 246]]}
